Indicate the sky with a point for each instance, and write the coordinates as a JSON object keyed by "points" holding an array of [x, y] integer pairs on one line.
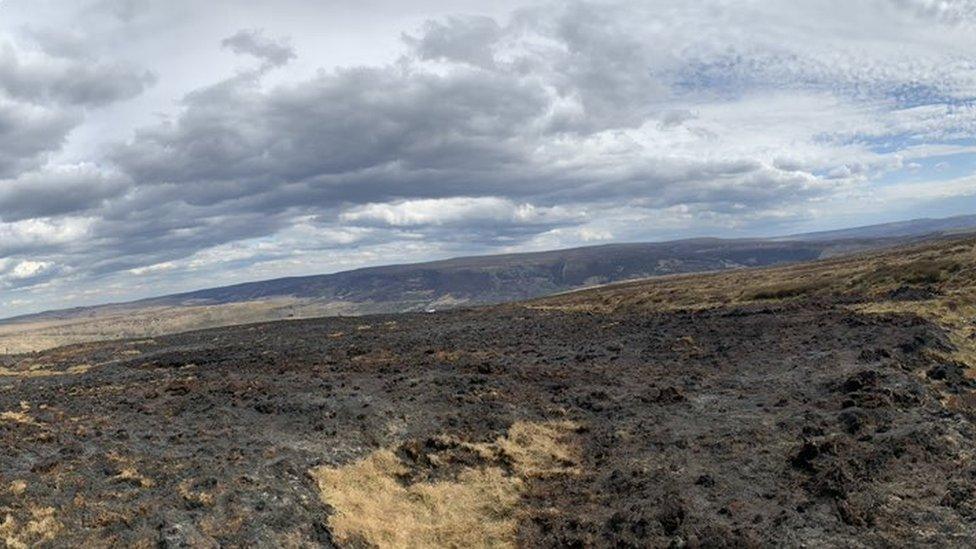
{"points": [[150, 147]]}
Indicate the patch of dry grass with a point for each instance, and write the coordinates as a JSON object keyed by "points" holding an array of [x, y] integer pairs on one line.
{"points": [[195, 498], [131, 475], [128, 473], [37, 371], [20, 416], [371, 505], [39, 528], [18, 487], [479, 507], [538, 449]]}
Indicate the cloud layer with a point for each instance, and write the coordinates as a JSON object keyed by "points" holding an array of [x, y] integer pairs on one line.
{"points": [[253, 42], [556, 125]]}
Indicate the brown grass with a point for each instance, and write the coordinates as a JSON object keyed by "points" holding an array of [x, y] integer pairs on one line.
{"points": [[195, 498], [131, 475], [39, 528], [127, 471], [18, 487], [922, 271], [476, 510], [479, 507], [538, 449], [787, 290], [110, 324], [18, 417], [945, 267], [43, 372]]}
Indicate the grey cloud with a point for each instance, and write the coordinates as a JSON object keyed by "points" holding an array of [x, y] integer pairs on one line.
{"points": [[400, 133], [28, 132], [253, 42], [673, 118], [369, 134], [125, 10], [460, 39], [605, 63], [100, 85], [64, 191], [949, 11], [60, 43], [73, 82], [183, 232], [44, 97], [336, 125], [575, 106]]}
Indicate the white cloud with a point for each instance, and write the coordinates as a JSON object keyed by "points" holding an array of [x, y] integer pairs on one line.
{"points": [[446, 211], [587, 234], [153, 269], [31, 233], [30, 269], [24, 273]]}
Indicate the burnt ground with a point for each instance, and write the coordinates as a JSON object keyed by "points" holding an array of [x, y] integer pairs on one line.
{"points": [[786, 424]]}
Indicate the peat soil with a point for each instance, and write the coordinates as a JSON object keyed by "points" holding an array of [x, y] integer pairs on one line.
{"points": [[790, 424]]}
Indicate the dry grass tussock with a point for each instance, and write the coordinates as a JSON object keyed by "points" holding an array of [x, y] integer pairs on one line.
{"points": [[477, 507]]}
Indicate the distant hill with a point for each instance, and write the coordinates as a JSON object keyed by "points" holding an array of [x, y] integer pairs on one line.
{"points": [[516, 276], [495, 278], [899, 229], [446, 284], [509, 277]]}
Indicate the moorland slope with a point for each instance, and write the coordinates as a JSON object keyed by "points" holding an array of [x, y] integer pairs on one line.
{"points": [[822, 404]]}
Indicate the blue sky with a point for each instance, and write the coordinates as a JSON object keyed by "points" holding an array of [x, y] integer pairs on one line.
{"points": [[153, 147]]}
